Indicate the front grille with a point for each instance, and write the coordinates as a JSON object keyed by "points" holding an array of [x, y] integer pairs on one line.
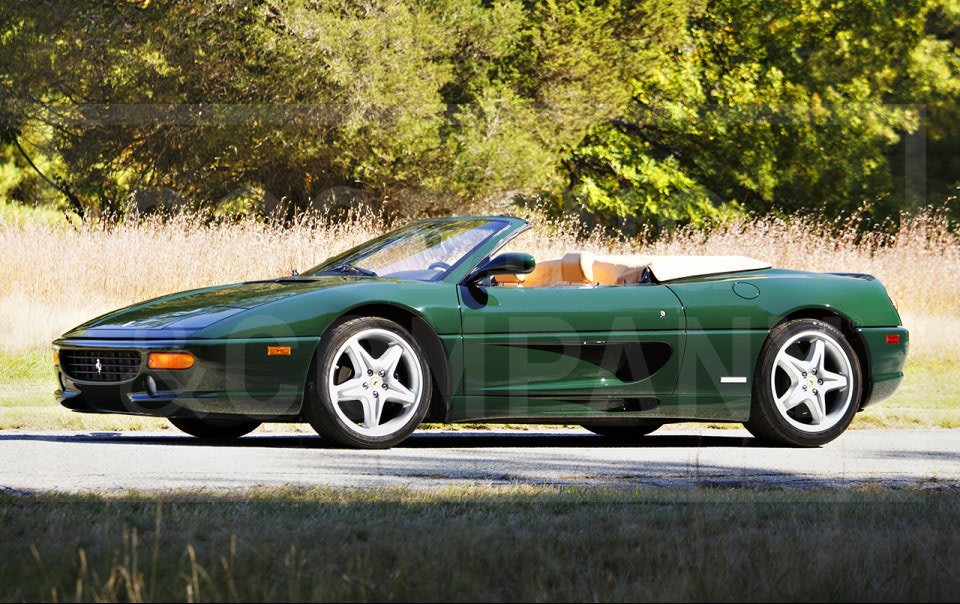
{"points": [[114, 365]]}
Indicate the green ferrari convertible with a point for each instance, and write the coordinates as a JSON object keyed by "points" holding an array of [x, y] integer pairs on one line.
{"points": [[435, 322]]}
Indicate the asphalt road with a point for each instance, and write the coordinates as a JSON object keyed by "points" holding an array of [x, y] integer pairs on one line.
{"points": [[116, 461]]}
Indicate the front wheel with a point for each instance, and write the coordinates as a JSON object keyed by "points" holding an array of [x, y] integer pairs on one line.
{"points": [[214, 428], [370, 385], [807, 386]]}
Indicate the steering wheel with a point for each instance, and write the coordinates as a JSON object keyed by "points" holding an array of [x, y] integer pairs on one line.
{"points": [[438, 265]]}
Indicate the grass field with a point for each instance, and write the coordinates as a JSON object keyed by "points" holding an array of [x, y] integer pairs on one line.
{"points": [[54, 275], [509, 544]]}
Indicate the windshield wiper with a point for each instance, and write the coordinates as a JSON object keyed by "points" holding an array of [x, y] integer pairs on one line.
{"points": [[350, 269]]}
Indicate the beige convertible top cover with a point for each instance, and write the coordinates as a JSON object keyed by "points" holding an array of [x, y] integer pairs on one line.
{"points": [[670, 268]]}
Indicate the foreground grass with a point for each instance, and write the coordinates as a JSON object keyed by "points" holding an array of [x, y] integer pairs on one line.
{"points": [[513, 544]]}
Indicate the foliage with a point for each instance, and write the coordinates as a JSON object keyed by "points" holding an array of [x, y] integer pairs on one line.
{"points": [[663, 111], [777, 106], [460, 97]]}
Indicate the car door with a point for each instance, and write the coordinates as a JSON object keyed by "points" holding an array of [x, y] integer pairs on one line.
{"points": [[568, 349]]}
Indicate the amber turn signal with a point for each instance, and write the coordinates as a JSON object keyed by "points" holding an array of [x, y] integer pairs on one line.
{"points": [[278, 351], [170, 360]]}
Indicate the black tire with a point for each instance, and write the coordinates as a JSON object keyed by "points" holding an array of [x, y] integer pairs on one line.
{"points": [[214, 428], [345, 423], [633, 431], [798, 426]]}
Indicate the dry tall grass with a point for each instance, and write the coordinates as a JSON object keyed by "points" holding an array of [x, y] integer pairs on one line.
{"points": [[54, 277]]}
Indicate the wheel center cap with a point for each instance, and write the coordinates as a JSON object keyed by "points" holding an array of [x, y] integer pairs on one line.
{"points": [[375, 382], [811, 382]]}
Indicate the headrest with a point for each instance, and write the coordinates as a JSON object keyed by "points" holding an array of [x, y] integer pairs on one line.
{"points": [[577, 267]]}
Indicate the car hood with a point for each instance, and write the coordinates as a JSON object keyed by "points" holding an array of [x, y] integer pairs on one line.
{"points": [[180, 314]]}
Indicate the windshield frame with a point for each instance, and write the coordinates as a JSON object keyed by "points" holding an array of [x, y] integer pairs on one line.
{"points": [[506, 228]]}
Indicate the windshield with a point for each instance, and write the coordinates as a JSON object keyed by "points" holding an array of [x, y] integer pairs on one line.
{"points": [[424, 251]]}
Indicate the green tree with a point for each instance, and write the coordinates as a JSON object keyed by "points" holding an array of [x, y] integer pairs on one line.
{"points": [[467, 99], [772, 106]]}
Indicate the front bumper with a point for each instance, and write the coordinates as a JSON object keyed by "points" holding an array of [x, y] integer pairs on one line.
{"points": [[229, 378]]}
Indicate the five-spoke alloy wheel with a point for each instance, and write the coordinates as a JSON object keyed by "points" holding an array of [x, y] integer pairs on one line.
{"points": [[370, 386], [807, 387]]}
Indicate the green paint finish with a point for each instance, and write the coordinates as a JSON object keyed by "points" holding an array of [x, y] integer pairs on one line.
{"points": [[886, 361], [294, 308], [512, 310], [229, 376], [747, 291], [711, 303], [198, 308], [711, 356], [714, 362], [537, 340], [576, 364], [311, 312]]}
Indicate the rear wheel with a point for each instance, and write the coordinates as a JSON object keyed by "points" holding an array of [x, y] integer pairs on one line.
{"points": [[214, 428], [371, 385], [807, 387], [633, 431]]}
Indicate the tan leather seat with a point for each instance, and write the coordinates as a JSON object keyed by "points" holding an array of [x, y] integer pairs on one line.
{"points": [[547, 272], [576, 268], [510, 279], [620, 269]]}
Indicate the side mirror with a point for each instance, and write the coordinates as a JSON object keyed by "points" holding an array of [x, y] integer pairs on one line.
{"points": [[512, 263]]}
